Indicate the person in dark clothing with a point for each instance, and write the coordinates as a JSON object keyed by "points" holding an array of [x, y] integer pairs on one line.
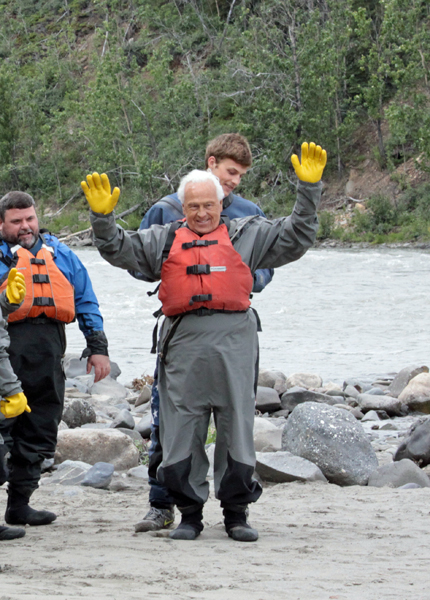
{"points": [[58, 291]]}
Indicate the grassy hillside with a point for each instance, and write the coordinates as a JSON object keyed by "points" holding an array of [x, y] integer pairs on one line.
{"points": [[136, 89]]}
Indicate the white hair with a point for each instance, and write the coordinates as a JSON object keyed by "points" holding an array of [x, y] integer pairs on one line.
{"points": [[197, 176]]}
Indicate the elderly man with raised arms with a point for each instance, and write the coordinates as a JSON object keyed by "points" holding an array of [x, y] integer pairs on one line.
{"points": [[208, 339]]}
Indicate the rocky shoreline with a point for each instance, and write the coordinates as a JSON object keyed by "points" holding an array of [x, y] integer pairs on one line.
{"points": [[374, 432], [316, 539]]}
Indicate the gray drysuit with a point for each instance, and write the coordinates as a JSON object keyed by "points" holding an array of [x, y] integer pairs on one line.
{"points": [[9, 383], [210, 361]]}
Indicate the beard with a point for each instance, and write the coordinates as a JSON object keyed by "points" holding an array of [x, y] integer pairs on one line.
{"points": [[26, 243]]}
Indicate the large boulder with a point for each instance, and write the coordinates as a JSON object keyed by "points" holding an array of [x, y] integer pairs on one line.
{"points": [[282, 467], [267, 400], [416, 395], [77, 412], [398, 474], [392, 406], [332, 439], [267, 437], [97, 445], [272, 379], [304, 380], [298, 395], [416, 444], [402, 379]]}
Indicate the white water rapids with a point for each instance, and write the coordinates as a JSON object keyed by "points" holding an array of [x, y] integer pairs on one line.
{"points": [[337, 313]]}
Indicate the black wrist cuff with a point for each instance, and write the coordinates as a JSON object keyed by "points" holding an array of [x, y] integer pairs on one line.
{"points": [[96, 344]]}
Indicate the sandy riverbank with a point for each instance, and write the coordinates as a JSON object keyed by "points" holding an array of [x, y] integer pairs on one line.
{"points": [[316, 541]]}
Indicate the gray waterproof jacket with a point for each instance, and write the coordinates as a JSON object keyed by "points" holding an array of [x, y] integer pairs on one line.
{"points": [[262, 243], [9, 382]]}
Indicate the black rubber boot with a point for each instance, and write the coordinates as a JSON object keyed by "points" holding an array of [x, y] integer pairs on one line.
{"points": [[237, 527], [11, 533], [191, 525], [18, 511]]}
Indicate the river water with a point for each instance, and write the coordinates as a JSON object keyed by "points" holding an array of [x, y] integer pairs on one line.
{"points": [[336, 313]]}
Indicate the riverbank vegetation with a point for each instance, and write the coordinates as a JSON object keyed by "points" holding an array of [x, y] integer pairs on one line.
{"points": [[136, 88]]}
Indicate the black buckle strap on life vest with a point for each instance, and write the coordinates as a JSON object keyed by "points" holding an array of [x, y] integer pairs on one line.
{"points": [[198, 243], [38, 278], [37, 261], [175, 324], [200, 298], [199, 270], [170, 237], [257, 316], [208, 312], [42, 301], [157, 315], [7, 260], [154, 292]]}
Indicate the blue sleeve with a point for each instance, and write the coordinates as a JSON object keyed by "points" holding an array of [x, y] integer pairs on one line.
{"points": [[86, 303], [154, 216], [262, 277]]}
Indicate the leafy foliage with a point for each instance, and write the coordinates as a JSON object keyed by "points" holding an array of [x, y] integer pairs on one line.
{"points": [[136, 88]]}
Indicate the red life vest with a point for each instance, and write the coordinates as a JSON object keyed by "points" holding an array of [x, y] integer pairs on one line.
{"points": [[48, 293], [204, 271]]}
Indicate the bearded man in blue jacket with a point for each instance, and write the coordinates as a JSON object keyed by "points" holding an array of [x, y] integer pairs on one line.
{"points": [[228, 157], [58, 291]]}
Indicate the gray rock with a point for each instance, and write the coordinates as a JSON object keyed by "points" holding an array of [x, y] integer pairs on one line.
{"points": [[74, 366], [416, 444], [332, 439], [392, 406], [402, 379], [298, 395], [351, 391], [75, 384], [144, 426], [416, 395], [358, 384], [375, 391], [267, 400], [95, 426], [95, 445], [47, 464], [372, 415], [273, 379], [77, 412], [409, 486], [267, 437], [144, 396], [397, 474], [70, 472], [282, 467], [123, 420], [135, 435], [99, 476], [304, 380], [140, 472], [109, 387]]}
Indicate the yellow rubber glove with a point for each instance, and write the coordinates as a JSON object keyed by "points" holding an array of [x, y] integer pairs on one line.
{"points": [[15, 405], [314, 159], [15, 290], [98, 193]]}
